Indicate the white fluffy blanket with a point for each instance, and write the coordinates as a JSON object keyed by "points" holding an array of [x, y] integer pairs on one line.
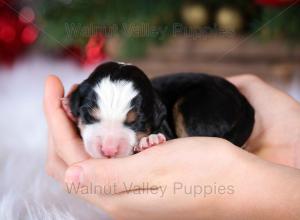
{"points": [[26, 193]]}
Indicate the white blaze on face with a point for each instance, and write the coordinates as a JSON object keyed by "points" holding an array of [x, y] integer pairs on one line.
{"points": [[109, 137]]}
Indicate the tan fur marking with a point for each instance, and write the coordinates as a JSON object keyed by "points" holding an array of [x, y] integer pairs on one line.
{"points": [[179, 120], [131, 116], [95, 112]]}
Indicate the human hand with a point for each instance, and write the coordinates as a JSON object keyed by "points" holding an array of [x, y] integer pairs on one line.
{"points": [[276, 133], [187, 161], [65, 146], [188, 178], [149, 167]]}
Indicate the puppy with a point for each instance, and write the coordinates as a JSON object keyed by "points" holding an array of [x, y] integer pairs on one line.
{"points": [[119, 111]]}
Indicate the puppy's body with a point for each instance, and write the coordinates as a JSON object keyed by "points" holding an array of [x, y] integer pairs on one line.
{"points": [[204, 105], [119, 109]]}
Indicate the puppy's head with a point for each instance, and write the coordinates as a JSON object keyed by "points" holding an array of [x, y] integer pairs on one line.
{"points": [[115, 107]]}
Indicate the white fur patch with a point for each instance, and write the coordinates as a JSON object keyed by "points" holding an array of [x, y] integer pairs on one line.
{"points": [[114, 102], [114, 98], [96, 132]]}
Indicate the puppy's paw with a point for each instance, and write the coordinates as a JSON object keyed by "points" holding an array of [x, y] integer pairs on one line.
{"points": [[150, 141]]}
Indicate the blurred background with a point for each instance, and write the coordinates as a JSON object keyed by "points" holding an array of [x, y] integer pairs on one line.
{"points": [[219, 37], [70, 37]]}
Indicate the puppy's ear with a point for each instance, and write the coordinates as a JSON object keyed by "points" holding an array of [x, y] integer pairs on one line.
{"points": [[76, 99], [160, 111], [74, 102]]}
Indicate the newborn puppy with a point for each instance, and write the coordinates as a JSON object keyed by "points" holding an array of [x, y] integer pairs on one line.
{"points": [[119, 111]]}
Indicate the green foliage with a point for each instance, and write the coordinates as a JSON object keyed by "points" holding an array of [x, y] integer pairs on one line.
{"points": [[58, 18], [281, 23], [72, 22]]}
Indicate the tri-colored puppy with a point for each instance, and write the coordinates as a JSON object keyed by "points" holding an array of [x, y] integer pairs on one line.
{"points": [[119, 111]]}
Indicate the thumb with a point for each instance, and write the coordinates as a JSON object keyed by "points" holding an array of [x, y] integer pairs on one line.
{"points": [[68, 143], [119, 175]]}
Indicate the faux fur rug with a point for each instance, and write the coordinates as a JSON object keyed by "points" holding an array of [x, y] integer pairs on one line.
{"points": [[26, 192]]}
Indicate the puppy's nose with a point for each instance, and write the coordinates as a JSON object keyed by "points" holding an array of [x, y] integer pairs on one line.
{"points": [[110, 146], [109, 152]]}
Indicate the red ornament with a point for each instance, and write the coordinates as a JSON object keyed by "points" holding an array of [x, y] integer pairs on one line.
{"points": [[15, 35], [94, 50], [92, 53], [29, 35], [277, 3], [7, 32]]}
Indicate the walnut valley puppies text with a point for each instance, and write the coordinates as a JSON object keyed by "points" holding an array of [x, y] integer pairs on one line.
{"points": [[198, 190]]}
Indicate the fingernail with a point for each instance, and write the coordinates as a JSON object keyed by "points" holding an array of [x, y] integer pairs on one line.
{"points": [[74, 175]]}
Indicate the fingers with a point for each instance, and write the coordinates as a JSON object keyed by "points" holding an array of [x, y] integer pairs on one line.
{"points": [[55, 167], [259, 93], [245, 79], [152, 166], [254, 87], [68, 143], [55, 115], [116, 174], [250, 86]]}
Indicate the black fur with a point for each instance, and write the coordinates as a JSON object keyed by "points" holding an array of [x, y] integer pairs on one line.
{"points": [[151, 112], [211, 106]]}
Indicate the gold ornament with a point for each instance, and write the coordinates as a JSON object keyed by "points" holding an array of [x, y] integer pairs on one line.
{"points": [[194, 15], [229, 19]]}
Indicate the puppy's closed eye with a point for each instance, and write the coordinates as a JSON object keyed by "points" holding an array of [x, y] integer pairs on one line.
{"points": [[90, 115]]}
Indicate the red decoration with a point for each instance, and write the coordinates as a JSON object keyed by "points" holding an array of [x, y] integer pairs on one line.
{"points": [[16, 34], [277, 3], [94, 50], [29, 34], [2, 2], [92, 53], [73, 52]]}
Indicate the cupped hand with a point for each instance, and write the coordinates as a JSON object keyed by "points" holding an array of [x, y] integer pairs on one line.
{"points": [[188, 178], [276, 133], [191, 178]]}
